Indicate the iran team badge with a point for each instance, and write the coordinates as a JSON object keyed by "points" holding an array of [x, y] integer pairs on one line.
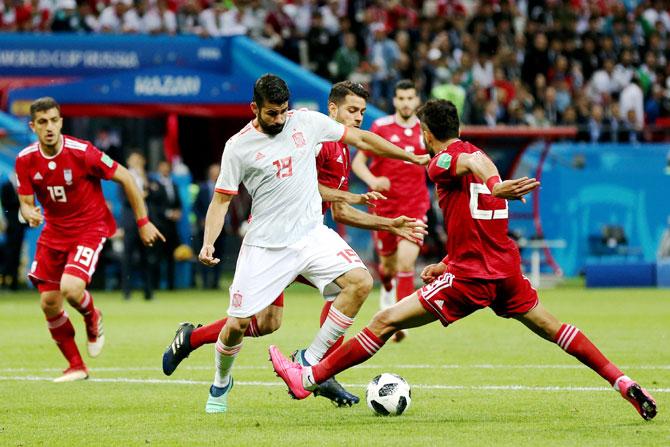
{"points": [[299, 139], [67, 174]]}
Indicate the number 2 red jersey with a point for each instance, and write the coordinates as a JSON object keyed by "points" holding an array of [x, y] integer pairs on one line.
{"points": [[409, 193], [68, 188], [476, 222], [332, 166]]}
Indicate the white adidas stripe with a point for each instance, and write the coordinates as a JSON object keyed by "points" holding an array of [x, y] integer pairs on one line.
{"points": [[565, 335]]}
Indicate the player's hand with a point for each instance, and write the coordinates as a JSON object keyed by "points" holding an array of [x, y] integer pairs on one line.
{"points": [[421, 160], [206, 255], [33, 216], [150, 234], [409, 228], [380, 184], [432, 271], [368, 198], [515, 189]]}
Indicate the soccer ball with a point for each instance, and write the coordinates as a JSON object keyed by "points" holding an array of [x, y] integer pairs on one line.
{"points": [[388, 395]]}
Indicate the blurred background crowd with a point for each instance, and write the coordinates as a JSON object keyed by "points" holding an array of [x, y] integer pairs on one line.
{"points": [[602, 65]]}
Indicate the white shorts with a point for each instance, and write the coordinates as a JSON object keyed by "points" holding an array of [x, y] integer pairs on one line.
{"points": [[263, 273]]}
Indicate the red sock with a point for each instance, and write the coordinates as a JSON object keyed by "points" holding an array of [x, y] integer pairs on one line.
{"points": [[85, 306], [62, 332], [356, 350], [404, 284], [386, 279], [572, 341]]}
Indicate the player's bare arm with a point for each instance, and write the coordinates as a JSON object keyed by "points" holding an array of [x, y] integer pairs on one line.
{"points": [[360, 167], [432, 271], [30, 213], [216, 215], [481, 166], [339, 196], [368, 141], [148, 232], [406, 227]]}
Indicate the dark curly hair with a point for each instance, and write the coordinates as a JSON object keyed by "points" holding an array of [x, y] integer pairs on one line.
{"points": [[441, 118], [270, 88]]}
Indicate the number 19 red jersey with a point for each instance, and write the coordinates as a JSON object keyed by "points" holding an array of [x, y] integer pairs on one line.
{"points": [[476, 222], [68, 188]]}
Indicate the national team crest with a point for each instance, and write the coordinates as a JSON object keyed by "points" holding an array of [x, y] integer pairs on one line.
{"points": [[67, 174], [299, 139], [237, 299]]}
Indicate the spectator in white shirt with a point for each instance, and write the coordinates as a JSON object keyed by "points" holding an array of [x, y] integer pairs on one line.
{"points": [[631, 98]]}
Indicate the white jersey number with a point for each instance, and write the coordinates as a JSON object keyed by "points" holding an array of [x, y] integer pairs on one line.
{"points": [[57, 193], [475, 190], [84, 255]]}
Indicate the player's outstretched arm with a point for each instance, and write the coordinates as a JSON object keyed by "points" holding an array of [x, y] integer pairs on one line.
{"points": [[481, 166], [360, 167], [31, 214], [338, 196], [216, 215], [408, 228], [368, 141], [148, 232]]}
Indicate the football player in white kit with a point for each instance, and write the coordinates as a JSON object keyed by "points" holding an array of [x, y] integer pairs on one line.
{"points": [[274, 156]]}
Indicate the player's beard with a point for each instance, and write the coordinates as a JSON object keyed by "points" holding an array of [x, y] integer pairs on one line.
{"points": [[270, 129], [406, 114]]}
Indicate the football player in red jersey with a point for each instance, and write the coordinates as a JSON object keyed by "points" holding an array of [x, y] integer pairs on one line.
{"points": [[405, 187], [482, 270], [64, 173], [346, 104]]}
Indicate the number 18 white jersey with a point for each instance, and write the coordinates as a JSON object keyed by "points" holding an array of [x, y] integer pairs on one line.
{"points": [[280, 174]]}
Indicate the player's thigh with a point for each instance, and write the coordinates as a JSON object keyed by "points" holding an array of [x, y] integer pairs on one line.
{"points": [[450, 298], [328, 257], [405, 314], [83, 258], [261, 274], [47, 268], [407, 254]]}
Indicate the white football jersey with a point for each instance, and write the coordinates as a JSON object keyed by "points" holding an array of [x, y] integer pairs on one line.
{"points": [[280, 174]]}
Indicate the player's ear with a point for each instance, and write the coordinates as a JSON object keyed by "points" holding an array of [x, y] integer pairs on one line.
{"points": [[31, 123], [254, 108], [332, 109]]}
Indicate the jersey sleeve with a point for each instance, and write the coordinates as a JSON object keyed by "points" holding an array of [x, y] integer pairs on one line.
{"points": [[230, 176], [325, 128], [99, 164], [442, 168], [24, 187]]}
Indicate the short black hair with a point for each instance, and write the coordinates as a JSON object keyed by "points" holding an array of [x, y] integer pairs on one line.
{"points": [[403, 84], [42, 105], [441, 118], [270, 88], [343, 89]]}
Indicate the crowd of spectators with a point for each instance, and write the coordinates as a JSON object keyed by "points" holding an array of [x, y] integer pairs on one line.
{"points": [[602, 65]]}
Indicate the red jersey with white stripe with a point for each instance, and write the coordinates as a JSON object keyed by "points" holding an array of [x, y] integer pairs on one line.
{"points": [[68, 188], [408, 193], [476, 222], [333, 165]]}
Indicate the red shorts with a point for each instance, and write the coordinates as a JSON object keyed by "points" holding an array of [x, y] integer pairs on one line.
{"points": [[80, 261], [450, 298], [387, 243]]}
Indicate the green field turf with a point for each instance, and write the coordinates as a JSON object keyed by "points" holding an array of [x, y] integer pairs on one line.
{"points": [[484, 381]]}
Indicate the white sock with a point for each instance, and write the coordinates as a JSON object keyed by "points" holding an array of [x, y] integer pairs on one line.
{"points": [[616, 382], [333, 328], [224, 356]]}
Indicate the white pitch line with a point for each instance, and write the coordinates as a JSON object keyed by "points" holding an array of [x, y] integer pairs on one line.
{"points": [[364, 366], [280, 384]]}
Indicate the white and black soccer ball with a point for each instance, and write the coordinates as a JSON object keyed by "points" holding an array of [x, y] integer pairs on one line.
{"points": [[388, 395]]}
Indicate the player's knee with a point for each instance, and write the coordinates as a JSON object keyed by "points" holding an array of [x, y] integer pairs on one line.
{"points": [[50, 304], [360, 283], [237, 325]]}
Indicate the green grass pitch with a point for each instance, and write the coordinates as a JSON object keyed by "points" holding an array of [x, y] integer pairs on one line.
{"points": [[483, 381]]}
